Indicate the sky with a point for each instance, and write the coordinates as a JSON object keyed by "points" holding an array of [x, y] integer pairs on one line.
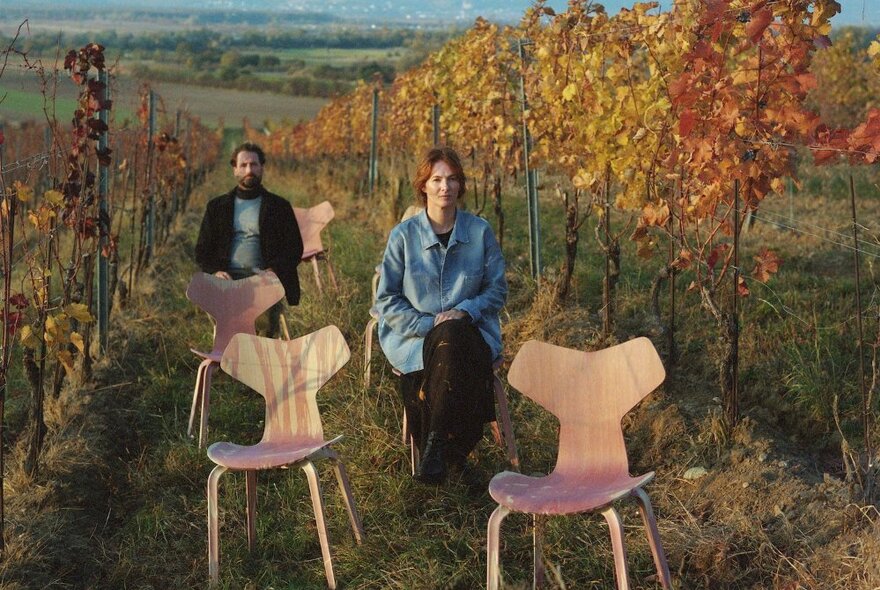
{"points": [[853, 12]]}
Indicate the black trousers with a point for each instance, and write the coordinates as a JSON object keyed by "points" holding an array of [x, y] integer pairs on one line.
{"points": [[453, 394]]}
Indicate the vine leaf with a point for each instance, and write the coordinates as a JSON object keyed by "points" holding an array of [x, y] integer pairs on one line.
{"points": [[758, 24], [767, 263]]}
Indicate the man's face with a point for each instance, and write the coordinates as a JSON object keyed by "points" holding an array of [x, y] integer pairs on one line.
{"points": [[248, 170]]}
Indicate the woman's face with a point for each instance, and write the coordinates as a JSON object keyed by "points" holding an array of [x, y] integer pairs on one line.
{"points": [[442, 187]]}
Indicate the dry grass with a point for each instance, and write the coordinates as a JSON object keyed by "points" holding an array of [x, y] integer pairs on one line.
{"points": [[120, 500]]}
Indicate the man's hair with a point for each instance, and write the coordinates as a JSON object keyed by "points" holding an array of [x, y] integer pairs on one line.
{"points": [[423, 172], [248, 147]]}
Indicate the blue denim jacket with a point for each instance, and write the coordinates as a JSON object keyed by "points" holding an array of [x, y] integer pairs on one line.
{"points": [[420, 278]]}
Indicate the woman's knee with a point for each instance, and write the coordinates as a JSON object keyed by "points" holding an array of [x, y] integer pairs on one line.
{"points": [[453, 330]]}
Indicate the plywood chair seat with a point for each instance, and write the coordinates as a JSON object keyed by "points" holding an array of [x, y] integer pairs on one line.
{"points": [[559, 494], [265, 455], [211, 356]]}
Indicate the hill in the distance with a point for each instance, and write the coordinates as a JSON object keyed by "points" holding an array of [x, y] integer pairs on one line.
{"points": [[372, 11]]}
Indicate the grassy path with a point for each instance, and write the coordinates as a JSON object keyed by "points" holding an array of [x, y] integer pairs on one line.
{"points": [[121, 500]]}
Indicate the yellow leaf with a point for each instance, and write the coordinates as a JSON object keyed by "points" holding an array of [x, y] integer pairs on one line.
{"points": [[28, 338], [66, 359], [874, 49], [583, 179], [639, 134], [569, 92], [79, 312], [77, 340], [54, 197], [23, 191]]}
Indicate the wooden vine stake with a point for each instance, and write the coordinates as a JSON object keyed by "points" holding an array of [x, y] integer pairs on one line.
{"points": [[731, 401], [866, 404]]}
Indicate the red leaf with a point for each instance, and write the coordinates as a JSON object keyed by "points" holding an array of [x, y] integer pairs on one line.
{"points": [[713, 259], [1, 137], [716, 253], [686, 122], [18, 301], [761, 19]]}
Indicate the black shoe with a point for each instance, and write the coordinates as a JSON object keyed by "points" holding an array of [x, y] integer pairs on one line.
{"points": [[432, 467]]}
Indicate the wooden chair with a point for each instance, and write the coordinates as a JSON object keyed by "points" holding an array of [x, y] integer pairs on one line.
{"points": [[234, 306], [288, 374], [311, 222], [373, 322], [589, 392]]}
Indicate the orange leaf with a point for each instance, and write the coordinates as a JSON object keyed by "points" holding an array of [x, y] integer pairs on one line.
{"points": [[686, 122], [766, 264], [656, 214], [742, 288], [761, 19]]}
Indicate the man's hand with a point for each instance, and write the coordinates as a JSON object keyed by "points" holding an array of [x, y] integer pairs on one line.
{"points": [[222, 274], [451, 314]]}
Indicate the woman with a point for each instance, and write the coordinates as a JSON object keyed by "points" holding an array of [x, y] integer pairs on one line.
{"points": [[441, 288]]}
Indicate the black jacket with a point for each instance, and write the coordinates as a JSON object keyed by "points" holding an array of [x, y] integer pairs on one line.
{"points": [[281, 244]]}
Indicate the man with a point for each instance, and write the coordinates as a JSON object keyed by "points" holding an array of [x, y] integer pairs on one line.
{"points": [[250, 230]]}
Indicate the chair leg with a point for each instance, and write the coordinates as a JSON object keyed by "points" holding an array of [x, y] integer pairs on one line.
{"points": [[206, 403], [368, 349], [506, 425], [405, 430], [653, 534], [345, 487], [493, 578], [213, 526], [538, 572], [250, 487], [413, 448], [330, 271], [317, 274], [197, 395], [318, 507], [619, 547]]}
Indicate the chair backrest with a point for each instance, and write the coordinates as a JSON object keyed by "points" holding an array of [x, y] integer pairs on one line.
{"points": [[234, 305], [411, 211], [288, 373], [311, 221], [589, 392]]}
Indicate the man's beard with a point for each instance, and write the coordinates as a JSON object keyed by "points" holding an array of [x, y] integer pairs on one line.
{"points": [[249, 182]]}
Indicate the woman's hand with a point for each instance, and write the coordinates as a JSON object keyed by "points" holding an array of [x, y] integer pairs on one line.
{"points": [[222, 274], [451, 314]]}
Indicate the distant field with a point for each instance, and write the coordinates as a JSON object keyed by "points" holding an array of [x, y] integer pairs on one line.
{"points": [[339, 56], [20, 105], [24, 101]]}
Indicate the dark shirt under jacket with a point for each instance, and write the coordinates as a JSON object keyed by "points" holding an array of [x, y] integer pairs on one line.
{"points": [[280, 241]]}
